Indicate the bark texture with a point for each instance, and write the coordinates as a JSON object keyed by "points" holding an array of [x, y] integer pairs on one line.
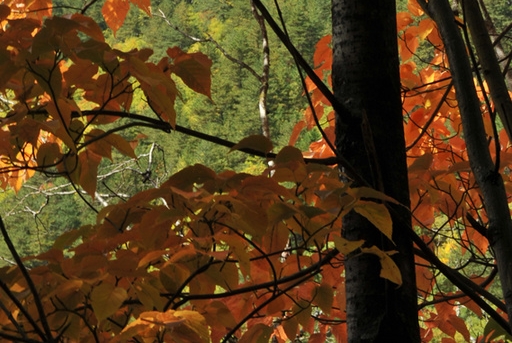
{"points": [[486, 174], [366, 80], [489, 63]]}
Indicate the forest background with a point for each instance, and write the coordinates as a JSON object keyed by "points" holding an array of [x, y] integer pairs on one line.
{"points": [[227, 32], [232, 113]]}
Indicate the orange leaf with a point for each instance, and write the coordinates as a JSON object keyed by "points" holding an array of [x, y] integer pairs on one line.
{"points": [[257, 333], [88, 26], [322, 58], [144, 5], [193, 69], [403, 19], [114, 12], [414, 8], [422, 163], [120, 144], [297, 129]]}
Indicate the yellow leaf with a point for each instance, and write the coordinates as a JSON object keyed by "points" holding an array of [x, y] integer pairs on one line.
{"points": [[196, 322], [367, 192], [389, 269], [106, 300], [377, 214], [346, 246]]}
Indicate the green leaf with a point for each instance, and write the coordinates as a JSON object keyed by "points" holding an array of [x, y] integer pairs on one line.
{"points": [[106, 299]]}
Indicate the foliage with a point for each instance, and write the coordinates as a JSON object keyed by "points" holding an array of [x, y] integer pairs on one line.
{"points": [[207, 254]]}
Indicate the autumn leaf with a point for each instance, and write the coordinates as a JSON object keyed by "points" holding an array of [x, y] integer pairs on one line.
{"points": [[323, 297], [89, 163], [106, 300], [114, 12], [255, 142], [48, 154], [389, 270], [144, 5], [193, 69], [259, 333], [323, 53], [345, 246], [377, 214]]}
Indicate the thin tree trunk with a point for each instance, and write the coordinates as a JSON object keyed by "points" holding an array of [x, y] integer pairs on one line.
{"points": [[366, 80], [498, 47], [262, 102], [489, 63], [486, 174]]}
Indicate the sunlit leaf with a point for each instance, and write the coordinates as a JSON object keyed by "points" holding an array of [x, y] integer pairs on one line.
{"points": [[114, 12], [389, 270], [345, 246], [377, 214]]}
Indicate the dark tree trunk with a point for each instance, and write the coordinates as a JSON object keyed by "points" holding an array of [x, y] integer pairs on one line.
{"points": [[366, 80]]}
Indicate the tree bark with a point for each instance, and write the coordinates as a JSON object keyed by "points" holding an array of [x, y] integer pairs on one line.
{"points": [[489, 63], [486, 174], [498, 47], [366, 80]]}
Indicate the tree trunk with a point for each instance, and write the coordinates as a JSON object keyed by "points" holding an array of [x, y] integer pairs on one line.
{"points": [[366, 80], [489, 63], [487, 175]]}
